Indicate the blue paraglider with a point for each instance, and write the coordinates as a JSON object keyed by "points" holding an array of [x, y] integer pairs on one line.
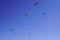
{"points": [[43, 13], [12, 29]]}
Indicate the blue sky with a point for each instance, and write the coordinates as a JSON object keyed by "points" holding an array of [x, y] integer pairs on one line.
{"points": [[12, 15]]}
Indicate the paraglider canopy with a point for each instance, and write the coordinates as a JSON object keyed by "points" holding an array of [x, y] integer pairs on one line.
{"points": [[29, 34], [43, 13], [12, 29], [27, 14], [36, 3]]}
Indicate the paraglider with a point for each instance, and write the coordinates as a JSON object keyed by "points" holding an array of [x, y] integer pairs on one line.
{"points": [[27, 14], [12, 29], [43, 13], [36, 3], [29, 36]]}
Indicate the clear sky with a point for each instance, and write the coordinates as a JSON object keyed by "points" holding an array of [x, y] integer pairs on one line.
{"points": [[12, 16]]}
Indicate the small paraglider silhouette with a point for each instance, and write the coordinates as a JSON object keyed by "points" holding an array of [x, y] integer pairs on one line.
{"points": [[43, 13], [12, 29], [29, 35], [36, 3], [27, 14]]}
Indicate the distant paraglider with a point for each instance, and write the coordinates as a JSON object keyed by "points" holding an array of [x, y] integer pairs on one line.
{"points": [[43, 13], [12, 29], [29, 35], [27, 14], [36, 3]]}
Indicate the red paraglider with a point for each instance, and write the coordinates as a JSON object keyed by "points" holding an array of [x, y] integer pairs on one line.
{"points": [[36, 3]]}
